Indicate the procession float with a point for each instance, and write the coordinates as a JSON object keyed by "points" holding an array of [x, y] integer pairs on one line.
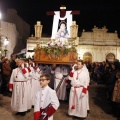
{"points": [[61, 47]]}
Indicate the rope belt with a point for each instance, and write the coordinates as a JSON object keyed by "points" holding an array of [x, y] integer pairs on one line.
{"points": [[20, 81], [73, 105]]}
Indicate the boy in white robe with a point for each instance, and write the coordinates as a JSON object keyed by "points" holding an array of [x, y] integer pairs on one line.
{"points": [[44, 97]]}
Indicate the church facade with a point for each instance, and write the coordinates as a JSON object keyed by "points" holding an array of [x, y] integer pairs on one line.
{"points": [[99, 45]]}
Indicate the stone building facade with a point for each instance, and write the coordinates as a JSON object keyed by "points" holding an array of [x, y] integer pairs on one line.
{"points": [[99, 45], [16, 30]]}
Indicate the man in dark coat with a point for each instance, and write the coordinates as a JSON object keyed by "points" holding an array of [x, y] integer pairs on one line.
{"points": [[13, 63]]}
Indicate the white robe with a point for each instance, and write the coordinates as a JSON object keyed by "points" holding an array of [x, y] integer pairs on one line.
{"points": [[29, 91], [80, 101], [32, 85], [19, 93], [59, 72], [44, 97], [37, 75]]}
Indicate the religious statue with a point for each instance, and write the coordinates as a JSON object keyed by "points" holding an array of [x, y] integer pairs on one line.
{"points": [[73, 30], [61, 37], [38, 30], [62, 15]]}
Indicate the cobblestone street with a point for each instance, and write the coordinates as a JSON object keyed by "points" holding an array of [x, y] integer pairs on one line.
{"points": [[98, 108]]}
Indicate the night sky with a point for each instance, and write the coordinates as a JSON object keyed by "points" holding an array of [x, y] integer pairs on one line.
{"points": [[100, 13]]}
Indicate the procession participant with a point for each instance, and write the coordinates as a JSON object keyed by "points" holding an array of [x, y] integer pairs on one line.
{"points": [[29, 89], [18, 86], [44, 97], [116, 97], [60, 71], [12, 62], [78, 100], [7, 73], [38, 72], [33, 82], [87, 93]]}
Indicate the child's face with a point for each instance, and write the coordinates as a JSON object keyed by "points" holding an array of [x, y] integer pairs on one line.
{"points": [[43, 81]]}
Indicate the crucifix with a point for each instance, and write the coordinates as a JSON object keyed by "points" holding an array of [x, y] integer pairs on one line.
{"points": [[62, 15]]}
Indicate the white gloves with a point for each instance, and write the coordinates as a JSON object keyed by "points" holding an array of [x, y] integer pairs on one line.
{"points": [[33, 64], [73, 67], [10, 90], [82, 95], [22, 65]]}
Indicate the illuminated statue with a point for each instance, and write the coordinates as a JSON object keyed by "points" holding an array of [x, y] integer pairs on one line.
{"points": [[62, 15], [62, 35]]}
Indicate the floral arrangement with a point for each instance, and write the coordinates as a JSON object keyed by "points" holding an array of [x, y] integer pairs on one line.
{"points": [[58, 50]]}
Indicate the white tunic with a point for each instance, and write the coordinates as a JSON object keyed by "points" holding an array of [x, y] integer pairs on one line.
{"points": [[59, 72], [29, 90], [44, 97], [38, 73], [33, 90], [78, 98], [19, 93]]}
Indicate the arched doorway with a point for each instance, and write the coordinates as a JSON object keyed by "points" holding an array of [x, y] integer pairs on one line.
{"points": [[87, 57], [110, 57]]}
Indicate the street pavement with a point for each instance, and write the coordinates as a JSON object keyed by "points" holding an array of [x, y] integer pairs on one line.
{"points": [[99, 107]]}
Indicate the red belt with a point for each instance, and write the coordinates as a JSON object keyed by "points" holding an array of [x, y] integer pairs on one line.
{"points": [[73, 105]]}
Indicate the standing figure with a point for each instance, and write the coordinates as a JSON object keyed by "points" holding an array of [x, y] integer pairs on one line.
{"points": [[18, 86], [12, 62], [29, 87], [116, 97], [7, 73], [44, 97], [78, 100], [33, 82], [38, 71], [59, 72]]}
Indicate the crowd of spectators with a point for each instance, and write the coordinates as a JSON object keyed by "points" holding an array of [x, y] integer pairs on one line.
{"points": [[108, 74], [6, 67]]}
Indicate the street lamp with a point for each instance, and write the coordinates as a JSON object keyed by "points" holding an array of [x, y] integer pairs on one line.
{"points": [[6, 41], [3, 39]]}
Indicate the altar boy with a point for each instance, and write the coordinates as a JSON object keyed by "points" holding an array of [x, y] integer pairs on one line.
{"points": [[44, 97]]}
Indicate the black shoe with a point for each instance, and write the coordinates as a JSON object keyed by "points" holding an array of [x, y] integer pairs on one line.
{"points": [[23, 113], [88, 111], [9, 95], [18, 113], [28, 111]]}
